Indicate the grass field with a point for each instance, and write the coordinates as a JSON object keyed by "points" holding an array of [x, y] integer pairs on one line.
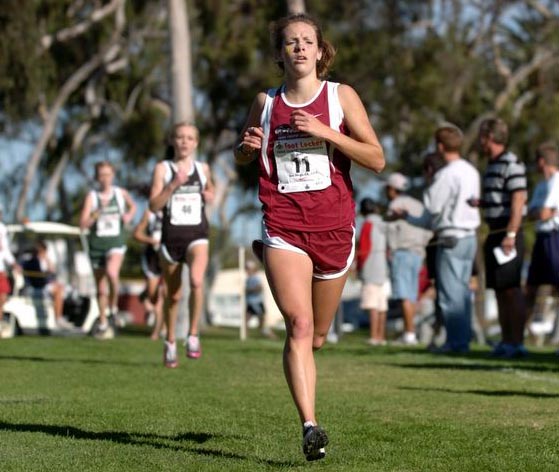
{"points": [[84, 405]]}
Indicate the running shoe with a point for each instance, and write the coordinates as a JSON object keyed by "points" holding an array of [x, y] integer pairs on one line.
{"points": [[193, 347], [63, 324], [104, 332], [170, 359], [315, 440]]}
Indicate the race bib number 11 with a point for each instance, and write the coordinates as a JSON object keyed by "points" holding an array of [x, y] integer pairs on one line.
{"points": [[302, 164]]}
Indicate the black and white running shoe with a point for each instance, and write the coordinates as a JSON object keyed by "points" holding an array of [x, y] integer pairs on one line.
{"points": [[315, 440]]}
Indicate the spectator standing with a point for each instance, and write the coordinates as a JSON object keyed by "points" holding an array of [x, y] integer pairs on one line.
{"points": [[407, 250], [454, 222], [372, 268], [504, 204], [544, 208]]}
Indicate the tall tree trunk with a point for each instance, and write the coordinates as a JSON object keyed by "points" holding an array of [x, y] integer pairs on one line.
{"points": [[181, 61], [183, 109], [296, 6]]}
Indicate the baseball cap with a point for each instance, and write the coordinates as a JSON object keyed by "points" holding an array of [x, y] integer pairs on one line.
{"points": [[397, 181]]}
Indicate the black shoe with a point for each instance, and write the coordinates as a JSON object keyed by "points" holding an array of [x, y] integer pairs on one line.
{"points": [[315, 440]]}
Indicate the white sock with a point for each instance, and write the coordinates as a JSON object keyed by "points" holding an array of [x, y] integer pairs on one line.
{"points": [[308, 424]]}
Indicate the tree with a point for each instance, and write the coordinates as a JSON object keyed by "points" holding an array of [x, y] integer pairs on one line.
{"points": [[414, 63], [296, 6], [107, 53], [181, 61], [74, 92]]}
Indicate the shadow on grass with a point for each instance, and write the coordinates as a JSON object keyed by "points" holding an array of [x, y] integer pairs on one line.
{"points": [[156, 441], [475, 360], [81, 361], [477, 366], [488, 393]]}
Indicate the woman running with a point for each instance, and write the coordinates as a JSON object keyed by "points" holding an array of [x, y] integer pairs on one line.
{"points": [[106, 212], [181, 187], [305, 135]]}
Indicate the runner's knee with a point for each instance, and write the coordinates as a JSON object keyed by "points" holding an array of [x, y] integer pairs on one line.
{"points": [[300, 327], [197, 281]]}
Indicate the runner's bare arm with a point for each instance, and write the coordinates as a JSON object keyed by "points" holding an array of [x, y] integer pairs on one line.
{"points": [[87, 217], [160, 193], [252, 134], [361, 146], [139, 233]]}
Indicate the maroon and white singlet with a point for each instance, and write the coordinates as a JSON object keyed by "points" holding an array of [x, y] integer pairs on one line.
{"points": [[304, 182]]}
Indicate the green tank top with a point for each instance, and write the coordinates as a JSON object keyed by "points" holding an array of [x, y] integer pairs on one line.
{"points": [[108, 230]]}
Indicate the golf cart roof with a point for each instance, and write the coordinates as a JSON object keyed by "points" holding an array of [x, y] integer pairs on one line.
{"points": [[45, 228]]}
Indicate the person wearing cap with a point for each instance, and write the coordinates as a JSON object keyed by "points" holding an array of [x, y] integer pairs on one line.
{"points": [[454, 222], [406, 243]]}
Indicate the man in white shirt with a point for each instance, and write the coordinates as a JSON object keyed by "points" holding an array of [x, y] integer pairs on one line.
{"points": [[544, 207], [454, 222]]}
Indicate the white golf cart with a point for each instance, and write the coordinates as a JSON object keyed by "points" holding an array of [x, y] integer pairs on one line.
{"points": [[29, 311]]}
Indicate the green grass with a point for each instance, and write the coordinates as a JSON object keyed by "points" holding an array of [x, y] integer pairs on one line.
{"points": [[84, 405]]}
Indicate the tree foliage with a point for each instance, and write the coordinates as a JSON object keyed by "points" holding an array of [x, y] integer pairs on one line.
{"points": [[415, 63]]}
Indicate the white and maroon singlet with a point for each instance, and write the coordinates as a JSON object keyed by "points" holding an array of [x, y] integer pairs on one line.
{"points": [[304, 182]]}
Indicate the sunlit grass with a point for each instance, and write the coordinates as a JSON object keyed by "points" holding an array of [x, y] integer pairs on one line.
{"points": [[80, 404]]}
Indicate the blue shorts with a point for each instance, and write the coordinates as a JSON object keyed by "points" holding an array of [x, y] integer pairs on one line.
{"points": [[544, 268], [404, 274]]}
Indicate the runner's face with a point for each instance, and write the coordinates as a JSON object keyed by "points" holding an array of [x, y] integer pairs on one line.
{"points": [[105, 176], [185, 141], [300, 51]]}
